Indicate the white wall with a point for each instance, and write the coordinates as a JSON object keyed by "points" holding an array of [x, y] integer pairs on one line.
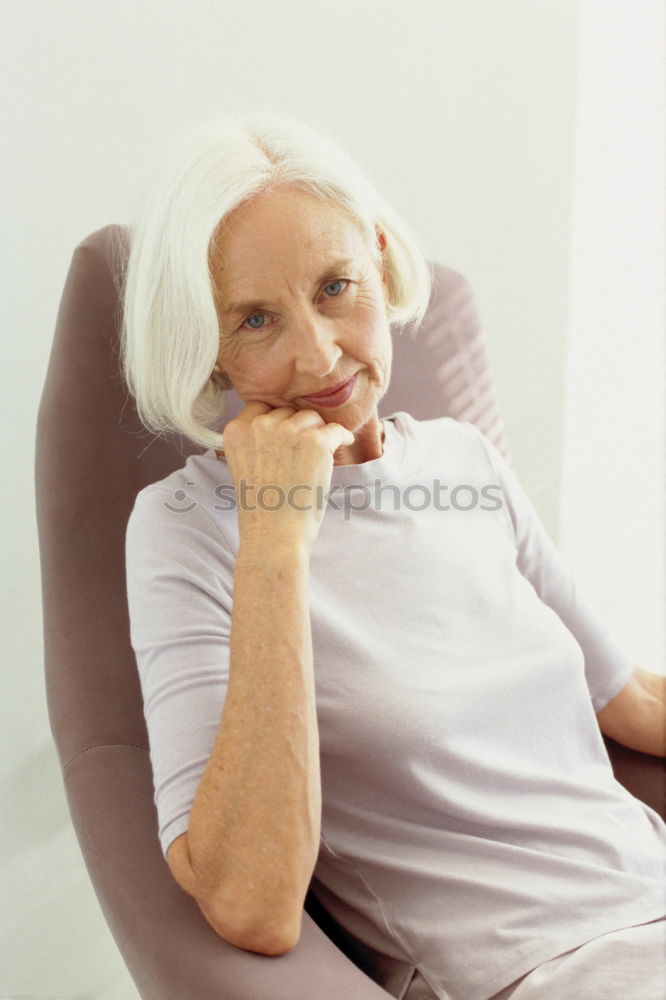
{"points": [[462, 111], [612, 488]]}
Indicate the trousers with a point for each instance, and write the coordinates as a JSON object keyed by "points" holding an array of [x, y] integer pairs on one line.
{"points": [[629, 964]]}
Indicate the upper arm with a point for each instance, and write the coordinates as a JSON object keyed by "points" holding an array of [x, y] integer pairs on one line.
{"points": [[606, 665], [179, 577]]}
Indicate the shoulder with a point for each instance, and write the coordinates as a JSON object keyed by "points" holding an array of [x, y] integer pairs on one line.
{"points": [[431, 428], [192, 484], [181, 507], [463, 446], [197, 472], [436, 427]]}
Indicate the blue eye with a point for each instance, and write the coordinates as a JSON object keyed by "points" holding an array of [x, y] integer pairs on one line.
{"points": [[338, 281], [255, 316]]}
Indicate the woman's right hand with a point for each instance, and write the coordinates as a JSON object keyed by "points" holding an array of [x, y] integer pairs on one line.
{"points": [[292, 451]]}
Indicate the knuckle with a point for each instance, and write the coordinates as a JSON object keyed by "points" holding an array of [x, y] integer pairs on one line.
{"points": [[232, 432]]}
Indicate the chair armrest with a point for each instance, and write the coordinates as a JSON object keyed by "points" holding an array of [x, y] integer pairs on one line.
{"points": [[169, 948], [641, 774]]}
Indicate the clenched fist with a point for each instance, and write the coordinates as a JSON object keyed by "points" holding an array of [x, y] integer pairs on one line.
{"points": [[281, 461]]}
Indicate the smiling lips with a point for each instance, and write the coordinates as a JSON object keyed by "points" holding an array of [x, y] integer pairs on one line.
{"points": [[334, 396], [327, 392]]}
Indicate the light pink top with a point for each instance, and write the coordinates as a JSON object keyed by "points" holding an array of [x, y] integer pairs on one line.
{"points": [[471, 823]]}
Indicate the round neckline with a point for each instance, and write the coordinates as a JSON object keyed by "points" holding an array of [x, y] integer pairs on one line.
{"points": [[385, 466]]}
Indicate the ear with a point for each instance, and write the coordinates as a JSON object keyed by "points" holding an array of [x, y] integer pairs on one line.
{"points": [[382, 242], [222, 377]]}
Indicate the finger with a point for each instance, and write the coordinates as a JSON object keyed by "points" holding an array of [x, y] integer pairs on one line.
{"points": [[252, 410], [336, 435], [302, 419], [277, 414]]}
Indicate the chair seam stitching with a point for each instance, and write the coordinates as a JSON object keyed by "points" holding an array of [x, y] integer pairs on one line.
{"points": [[102, 746]]}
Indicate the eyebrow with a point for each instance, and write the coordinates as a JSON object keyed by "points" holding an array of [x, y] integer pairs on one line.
{"points": [[331, 271]]}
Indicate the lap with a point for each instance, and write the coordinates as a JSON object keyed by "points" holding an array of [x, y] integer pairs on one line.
{"points": [[629, 964]]}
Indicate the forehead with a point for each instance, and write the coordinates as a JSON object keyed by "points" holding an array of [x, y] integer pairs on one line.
{"points": [[287, 235]]}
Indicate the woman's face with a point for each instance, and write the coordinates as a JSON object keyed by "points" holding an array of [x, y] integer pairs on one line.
{"points": [[302, 307]]}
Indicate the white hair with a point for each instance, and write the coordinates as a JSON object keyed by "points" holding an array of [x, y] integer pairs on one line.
{"points": [[170, 334]]}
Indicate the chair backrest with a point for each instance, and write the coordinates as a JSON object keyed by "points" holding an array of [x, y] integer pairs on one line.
{"points": [[92, 457]]}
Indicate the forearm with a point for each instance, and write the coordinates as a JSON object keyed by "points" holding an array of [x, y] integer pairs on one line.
{"points": [[636, 717], [653, 713], [254, 826]]}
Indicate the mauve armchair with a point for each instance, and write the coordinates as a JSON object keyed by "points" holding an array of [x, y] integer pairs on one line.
{"points": [[92, 457]]}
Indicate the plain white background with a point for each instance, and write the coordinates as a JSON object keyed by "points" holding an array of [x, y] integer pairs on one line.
{"points": [[522, 140]]}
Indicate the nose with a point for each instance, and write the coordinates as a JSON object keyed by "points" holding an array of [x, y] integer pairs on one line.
{"points": [[314, 346]]}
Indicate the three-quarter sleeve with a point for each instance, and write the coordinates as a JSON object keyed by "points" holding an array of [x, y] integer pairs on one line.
{"points": [[179, 572], [607, 666]]}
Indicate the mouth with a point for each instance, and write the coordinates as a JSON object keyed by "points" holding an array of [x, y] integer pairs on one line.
{"points": [[331, 391]]}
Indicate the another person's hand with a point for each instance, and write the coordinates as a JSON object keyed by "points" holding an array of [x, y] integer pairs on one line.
{"points": [[281, 461]]}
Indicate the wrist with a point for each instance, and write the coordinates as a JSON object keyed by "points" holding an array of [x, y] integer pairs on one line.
{"points": [[278, 550]]}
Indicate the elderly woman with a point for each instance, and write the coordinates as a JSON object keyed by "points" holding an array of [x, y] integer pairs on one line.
{"points": [[403, 699]]}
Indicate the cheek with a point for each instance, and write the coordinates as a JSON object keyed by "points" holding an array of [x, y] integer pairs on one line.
{"points": [[371, 326], [254, 369]]}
